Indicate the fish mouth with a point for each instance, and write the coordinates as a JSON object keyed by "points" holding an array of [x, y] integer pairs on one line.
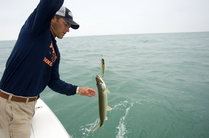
{"points": [[99, 78]]}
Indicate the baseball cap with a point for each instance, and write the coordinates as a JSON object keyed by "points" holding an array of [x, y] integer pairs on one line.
{"points": [[68, 16]]}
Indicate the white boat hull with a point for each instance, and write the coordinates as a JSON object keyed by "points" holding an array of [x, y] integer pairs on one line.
{"points": [[45, 124]]}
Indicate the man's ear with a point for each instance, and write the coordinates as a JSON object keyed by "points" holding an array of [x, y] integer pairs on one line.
{"points": [[54, 19]]}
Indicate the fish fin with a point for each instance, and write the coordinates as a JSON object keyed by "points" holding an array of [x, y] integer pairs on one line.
{"points": [[98, 126], [106, 118], [109, 108], [106, 90]]}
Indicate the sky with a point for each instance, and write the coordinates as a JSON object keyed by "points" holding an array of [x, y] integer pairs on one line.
{"points": [[112, 17]]}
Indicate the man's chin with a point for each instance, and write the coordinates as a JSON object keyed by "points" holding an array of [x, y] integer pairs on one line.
{"points": [[60, 37]]}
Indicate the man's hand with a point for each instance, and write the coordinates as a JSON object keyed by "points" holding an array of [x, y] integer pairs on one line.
{"points": [[85, 91]]}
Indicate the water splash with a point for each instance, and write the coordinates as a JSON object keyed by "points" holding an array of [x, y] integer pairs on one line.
{"points": [[122, 131], [118, 105], [88, 128]]}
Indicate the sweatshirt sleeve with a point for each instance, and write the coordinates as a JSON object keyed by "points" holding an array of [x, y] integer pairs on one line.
{"points": [[56, 84], [40, 19]]}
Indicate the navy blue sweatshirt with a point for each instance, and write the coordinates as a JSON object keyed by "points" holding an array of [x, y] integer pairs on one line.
{"points": [[34, 60]]}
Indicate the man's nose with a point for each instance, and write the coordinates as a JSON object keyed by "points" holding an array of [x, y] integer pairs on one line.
{"points": [[68, 29]]}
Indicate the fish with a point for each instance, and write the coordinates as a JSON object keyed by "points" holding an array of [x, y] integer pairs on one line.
{"points": [[102, 97], [102, 66]]}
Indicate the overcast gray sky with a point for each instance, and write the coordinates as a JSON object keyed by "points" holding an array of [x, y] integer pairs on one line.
{"points": [[106, 17]]}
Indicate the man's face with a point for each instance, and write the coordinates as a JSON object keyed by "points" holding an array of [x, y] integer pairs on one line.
{"points": [[60, 27]]}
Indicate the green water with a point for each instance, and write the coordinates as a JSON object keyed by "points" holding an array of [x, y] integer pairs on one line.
{"points": [[158, 83]]}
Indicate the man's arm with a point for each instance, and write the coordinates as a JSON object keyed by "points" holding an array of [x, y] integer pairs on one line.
{"points": [[56, 84], [41, 17], [69, 89]]}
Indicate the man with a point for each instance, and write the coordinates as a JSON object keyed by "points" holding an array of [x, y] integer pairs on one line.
{"points": [[33, 65]]}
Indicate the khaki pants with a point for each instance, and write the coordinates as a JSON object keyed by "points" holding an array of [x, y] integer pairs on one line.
{"points": [[15, 118]]}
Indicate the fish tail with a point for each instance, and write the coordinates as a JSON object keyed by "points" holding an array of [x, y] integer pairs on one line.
{"points": [[98, 126]]}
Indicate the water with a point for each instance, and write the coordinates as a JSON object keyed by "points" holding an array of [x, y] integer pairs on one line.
{"points": [[158, 83]]}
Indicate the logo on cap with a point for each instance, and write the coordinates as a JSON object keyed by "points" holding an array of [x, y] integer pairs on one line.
{"points": [[70, 13]]}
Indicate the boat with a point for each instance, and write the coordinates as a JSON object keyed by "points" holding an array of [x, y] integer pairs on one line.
{"points": [[45, 124]]}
